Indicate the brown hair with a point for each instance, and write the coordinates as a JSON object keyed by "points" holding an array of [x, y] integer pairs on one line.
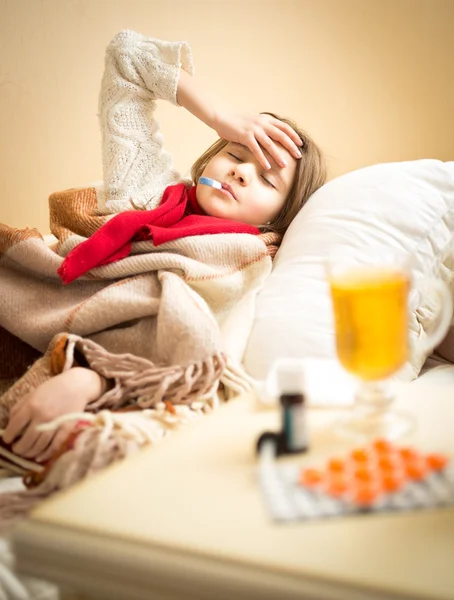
{"points": [[310, 174]]}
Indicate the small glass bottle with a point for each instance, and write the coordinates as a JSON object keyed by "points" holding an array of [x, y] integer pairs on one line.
{"points": [[290, 380]]}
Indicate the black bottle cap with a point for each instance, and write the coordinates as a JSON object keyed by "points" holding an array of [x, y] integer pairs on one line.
{"points": [[272, 436]]}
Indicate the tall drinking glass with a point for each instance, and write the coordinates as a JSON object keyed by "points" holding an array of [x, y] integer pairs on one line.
{"points": [[370, 296]]}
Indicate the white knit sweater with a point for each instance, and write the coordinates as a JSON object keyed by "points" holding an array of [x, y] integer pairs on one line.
{"points": [[138, 71]]}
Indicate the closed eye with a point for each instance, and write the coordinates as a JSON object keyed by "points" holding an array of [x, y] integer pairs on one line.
{"points": [[268, 182], [235, 157]]}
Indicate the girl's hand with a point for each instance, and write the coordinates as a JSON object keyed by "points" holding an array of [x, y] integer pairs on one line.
{"points": [[257, 132], [68, 392], [254, 131]]}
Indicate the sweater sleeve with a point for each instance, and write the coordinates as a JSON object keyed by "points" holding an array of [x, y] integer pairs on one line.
{"points": [[138, 71]]}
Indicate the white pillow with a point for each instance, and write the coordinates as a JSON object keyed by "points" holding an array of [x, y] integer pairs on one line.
{"points": [[405, 205]]}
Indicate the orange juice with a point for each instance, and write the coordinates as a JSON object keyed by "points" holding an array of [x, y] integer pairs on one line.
{"points": [[370, 313]]}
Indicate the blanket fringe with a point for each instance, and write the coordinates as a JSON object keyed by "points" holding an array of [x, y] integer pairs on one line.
{"points": [[146, 384], [235, 380]]}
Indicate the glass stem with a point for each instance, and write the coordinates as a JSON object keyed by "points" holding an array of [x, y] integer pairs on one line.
{"points": [[373, 396]]}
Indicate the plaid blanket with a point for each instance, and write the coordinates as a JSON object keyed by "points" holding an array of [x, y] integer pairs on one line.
{"points": [[167, 325]]}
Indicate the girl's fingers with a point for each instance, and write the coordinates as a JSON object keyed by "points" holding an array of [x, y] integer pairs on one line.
{"points": [[282, 137], [17, 423], [270, 146], [254, 147], [41, 443], [59, 439], [289, 132], [27, 440]]}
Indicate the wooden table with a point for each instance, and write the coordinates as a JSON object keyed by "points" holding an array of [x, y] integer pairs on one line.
{"points": [[186, 520]]}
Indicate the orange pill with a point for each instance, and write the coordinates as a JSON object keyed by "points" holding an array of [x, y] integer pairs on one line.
{"points": [[336, 465], [390, 463], [311, 477], [361, 455], [408, 453], [392, 481], [365, 493], [383, 446], [436, 461], [365, 473], [336, 485], [416, 469]]}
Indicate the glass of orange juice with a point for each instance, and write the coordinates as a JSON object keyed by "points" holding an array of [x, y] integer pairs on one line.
{"points": [[370, 296]]}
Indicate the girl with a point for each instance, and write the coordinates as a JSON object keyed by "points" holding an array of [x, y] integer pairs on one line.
{"points": [[266, 167]]}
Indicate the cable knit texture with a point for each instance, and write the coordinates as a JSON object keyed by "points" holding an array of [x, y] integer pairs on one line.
{"points": [[138, 71]]}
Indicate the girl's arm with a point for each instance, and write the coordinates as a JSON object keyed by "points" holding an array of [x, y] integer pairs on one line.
{"points": [[138, 71]]}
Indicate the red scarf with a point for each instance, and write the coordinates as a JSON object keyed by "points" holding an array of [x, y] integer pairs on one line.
{"points": [[178, 215]]}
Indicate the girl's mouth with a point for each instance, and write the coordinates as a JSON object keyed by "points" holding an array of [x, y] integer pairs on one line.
{"points": [[227, 189]]}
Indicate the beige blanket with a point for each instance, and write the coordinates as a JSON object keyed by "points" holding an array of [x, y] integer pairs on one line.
{"points": [[167, 324]]}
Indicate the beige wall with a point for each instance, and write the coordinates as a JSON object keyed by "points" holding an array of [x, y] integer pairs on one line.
{"points": [[371, 80]]}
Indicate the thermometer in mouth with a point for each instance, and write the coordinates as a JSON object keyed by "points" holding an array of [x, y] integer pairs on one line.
{"points": [[211, 182]]}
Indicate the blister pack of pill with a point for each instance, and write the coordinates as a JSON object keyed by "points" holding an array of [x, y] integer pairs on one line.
{"points": [[374, 478]]}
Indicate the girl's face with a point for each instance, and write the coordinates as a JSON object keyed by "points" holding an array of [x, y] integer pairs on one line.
{"points": [[253, 195]]}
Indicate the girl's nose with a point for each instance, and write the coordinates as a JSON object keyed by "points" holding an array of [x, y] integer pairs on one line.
{"points": [[240, 173]]}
